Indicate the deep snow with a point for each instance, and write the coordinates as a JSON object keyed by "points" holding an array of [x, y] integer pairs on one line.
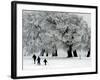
{"points": [[57, 62]]}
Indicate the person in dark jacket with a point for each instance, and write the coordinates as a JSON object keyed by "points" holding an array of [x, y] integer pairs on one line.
{"points": [[34, 58], [45, 61], [38, 60]]}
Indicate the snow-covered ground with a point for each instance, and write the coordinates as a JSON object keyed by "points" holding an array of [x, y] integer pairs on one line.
{"points": [[57, 62]]}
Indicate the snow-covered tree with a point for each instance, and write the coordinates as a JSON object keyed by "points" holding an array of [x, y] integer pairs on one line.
{"points": [[45, 31]]}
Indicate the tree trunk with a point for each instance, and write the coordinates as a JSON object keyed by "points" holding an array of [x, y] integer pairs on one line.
{"points": [[55, 53], [46, 54], [42, 52], [70, 51], [88, 55], [75, 53]]}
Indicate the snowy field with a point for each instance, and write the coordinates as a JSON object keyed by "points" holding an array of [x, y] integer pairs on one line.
{"points": [[57, 62]]}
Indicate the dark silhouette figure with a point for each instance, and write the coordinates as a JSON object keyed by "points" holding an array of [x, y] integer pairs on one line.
{"points": [[38, 60], [45, 61], [34, 58], [75, 53]]}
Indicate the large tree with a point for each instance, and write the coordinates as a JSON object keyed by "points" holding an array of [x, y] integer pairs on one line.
{"points": [[46, 31]]}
